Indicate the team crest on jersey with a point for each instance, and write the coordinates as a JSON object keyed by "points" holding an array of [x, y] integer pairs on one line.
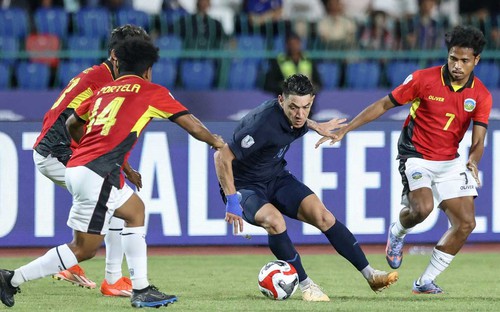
{"points": [[416, 175], [408, 79], [469, 105], [247, 141]]}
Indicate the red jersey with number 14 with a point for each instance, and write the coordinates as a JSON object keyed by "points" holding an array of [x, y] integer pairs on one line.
{"points": [[116, 116], [439, 115]]}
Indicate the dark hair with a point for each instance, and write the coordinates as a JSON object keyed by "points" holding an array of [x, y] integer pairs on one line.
{"points": [[297, 84], [125, 32], [466, 37], [136, 56]]}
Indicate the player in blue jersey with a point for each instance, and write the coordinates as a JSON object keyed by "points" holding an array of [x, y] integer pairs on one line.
{"points": [[258, 188]]}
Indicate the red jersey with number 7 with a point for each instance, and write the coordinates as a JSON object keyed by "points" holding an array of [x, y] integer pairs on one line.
{"points": [[439, 115], [116, 116]]}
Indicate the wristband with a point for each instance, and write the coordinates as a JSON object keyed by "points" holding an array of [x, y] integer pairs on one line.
{"points": [[233, 204]]}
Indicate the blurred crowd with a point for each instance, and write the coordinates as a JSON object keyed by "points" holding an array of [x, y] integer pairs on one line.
{"points": [[319, 25]]}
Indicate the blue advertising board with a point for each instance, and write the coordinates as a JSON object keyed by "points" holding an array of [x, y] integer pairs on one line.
{"points": [[357, 179]]}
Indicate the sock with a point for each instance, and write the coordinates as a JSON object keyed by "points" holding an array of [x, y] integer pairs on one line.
{"points": [[399, 230], [134, 246], [346, 245], [114, 251], [367, 272], [282, 247], [55, 260], [305, 283], [439, 262]]}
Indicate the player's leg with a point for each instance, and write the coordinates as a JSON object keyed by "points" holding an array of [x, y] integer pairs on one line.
{"points": [[114, 283], [455, 191], [55, 170], [131, 209], [83, 247], [418, 201]]}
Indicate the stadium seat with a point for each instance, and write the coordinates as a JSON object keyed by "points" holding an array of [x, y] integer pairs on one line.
{"points": [[363, 75], [33, 76], [171, 45], [250, 43], [131, 16], [14, 22], [84, 49], [5, 76], [39, 45], [93, 22], [197, 75], [165, 73], [69, 69], [329, 73], [242, 75], [397, 71], [52, 21], [488, 73], [9, 46]]}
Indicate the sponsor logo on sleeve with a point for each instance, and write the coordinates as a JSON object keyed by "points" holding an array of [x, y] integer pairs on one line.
{"points": [[408, 79], [247, 141]]}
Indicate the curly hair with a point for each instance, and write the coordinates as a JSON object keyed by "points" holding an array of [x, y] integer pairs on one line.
{"points": [[125, 32], [297, 84], [466, 37], [136, 55]]}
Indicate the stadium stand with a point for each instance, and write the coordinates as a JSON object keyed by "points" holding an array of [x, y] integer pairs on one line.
{"points": [[14, 23], [197, 74], [33, 76], [9, 47], [43, 48], [53, 21]]}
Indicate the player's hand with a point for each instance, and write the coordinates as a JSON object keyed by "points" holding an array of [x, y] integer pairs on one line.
{"points": [[220, 142], [234, 212], [333, 138], [135, 178], [326, 128], [472, 166], [236, 221]]}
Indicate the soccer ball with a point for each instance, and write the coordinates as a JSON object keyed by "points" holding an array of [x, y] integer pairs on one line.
{"points": [[278, 280]]}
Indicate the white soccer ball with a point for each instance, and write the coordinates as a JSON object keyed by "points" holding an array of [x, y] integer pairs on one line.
{"points": [[278, 280]]}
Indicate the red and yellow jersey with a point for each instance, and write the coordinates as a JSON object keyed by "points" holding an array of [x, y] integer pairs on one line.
{"points": [[54, 139], [115, 118], [440, 113]]}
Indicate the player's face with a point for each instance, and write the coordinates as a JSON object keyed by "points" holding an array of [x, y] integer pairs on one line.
{"points": [[461, 62], [296, 108]]}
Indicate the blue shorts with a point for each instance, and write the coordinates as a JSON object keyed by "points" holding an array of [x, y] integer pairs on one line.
{"points": [[284, 192]]}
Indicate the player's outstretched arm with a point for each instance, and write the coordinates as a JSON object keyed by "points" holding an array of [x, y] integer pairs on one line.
{"points": [[198, 130], [370, 113], [223, 159]]}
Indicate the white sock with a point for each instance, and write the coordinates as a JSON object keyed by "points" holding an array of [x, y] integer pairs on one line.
{"points": [[55, 260], [367, 272], [399, 230], [134, 246], [305, 283], [114, 251], [439, 262]]}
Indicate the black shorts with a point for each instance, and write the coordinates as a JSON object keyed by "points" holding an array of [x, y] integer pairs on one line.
{"points": [[284, 192]]}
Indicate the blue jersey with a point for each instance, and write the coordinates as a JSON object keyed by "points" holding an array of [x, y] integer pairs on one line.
{"points": [[260, 142]]}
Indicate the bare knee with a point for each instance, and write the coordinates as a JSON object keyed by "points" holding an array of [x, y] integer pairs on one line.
{"points": [[419, 211], [465, 227], [273, 223]]}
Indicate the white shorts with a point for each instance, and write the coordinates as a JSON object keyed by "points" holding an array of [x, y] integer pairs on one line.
{"points": [[50, 167], [447, 179], [94, 200]]}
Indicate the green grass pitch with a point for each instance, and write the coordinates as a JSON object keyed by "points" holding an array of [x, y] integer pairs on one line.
{"points": [[229, 283]]}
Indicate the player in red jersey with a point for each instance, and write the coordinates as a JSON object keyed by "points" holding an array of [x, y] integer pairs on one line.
{"points": [[53, 149], [444, 100], [116, 116]]}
